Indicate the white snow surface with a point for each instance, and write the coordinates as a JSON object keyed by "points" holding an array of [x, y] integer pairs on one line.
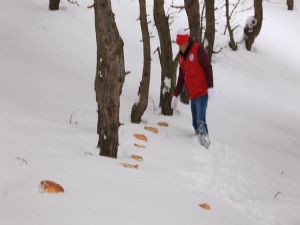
{"points": [[250, 174]]}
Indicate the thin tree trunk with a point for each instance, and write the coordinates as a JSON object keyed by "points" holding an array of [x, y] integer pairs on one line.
{"points": [[232, 43], [201, 23], [110, 75], [193, 14], [290, 4], [139, 108], [251, 31], [54, 4], [168, 71], [210, 27]]}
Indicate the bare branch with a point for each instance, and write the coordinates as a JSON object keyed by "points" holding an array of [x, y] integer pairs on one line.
{"points": [[73, 2], [234, 8], [245, 10], [91, 6], [154, 108], [237, 26]]}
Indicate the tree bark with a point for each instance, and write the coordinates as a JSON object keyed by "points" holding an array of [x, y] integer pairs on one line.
{"points": [[201, 23], [209, 35], [110, 75], [193, 14], [54, 4], [290, 4], [139, 108], [232, 43], [168, 66], [252, 30]]}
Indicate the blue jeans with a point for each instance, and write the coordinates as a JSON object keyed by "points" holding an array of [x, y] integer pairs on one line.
{"points": [[198, 107]]}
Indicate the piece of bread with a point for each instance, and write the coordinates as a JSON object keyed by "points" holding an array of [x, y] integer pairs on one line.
{"points": [[139, 146], [205, 206], [51, 187], [131, 166], [137, 158], [151, 129], [141, 137], [163, 124]]}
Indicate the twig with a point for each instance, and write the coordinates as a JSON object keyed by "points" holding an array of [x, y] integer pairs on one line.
{"points": [[154, 108], [158, 51], [277, 194], [73, 2], [245, 10], [22, 161], [151, 36], [71, 118], [91, 6], [230, 16]]}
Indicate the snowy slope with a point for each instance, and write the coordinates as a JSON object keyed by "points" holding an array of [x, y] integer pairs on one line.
{"points": [[250, 174]]}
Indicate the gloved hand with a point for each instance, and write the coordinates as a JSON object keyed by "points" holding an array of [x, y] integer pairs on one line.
{"points": [[210, 92], [174, 102]]}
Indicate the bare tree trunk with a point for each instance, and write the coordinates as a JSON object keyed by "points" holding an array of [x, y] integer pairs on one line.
{"points": [[232, 43], [110, 75], [253, 26], [168, 67], [139, 108], [290, 4], [210, 27], [193, 14], [201, 23], [54, 4]]}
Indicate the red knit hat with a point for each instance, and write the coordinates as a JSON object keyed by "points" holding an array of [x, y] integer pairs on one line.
{"points": [[182, 37]]}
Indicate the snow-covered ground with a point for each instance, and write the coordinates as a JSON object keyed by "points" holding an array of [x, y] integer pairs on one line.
{"points": [[250, 175]]}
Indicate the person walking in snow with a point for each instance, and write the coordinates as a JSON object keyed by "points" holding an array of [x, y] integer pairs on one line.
{"points": [[196, 73]]}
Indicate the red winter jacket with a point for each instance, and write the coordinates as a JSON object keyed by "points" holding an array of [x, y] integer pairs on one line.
{"points": [[195, 71]]}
